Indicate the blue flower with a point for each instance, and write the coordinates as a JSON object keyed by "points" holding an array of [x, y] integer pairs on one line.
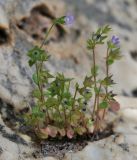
{"points": [[69, 19], [115, 40]]}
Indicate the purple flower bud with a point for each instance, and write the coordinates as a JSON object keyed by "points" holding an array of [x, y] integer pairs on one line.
{"points": [[115, 40], [69, 19]]}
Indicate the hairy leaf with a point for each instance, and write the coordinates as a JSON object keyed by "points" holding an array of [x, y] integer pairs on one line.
{"points": [[35, 78], [103, 105], [88, 82]]}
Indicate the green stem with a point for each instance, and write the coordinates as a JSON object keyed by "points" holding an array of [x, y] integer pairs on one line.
{"points": [[41, 89], [58, 111], [46, 36], [37, 72], [95, 82], [65, 118], [107, 68], [41, 66], [41, 63], [107, 74], [94, 65], [41, 46], [97, 125], [73, 104], [39, 69]]}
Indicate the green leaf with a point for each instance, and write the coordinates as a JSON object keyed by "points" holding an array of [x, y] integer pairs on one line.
{"points": [[99, 31], [37, 113], [35, 109], [103, 105], [90, 44], [44, 76], [87, 94], [48, 75], [51, 102], [61, 77], [102, 38], [106, 29], [36, 93], [43, 134], [88, 82], [89, 123], [31, 62], [80, 130], [58, 119], [115, 54], [75, 117], [108, 81], [67, 103], [110, 45], [62, 132], [52, 90], [81, 90], [37, 54], [96, 90], [110, 61], [60, 20], [35, 78], [77, 86], [66, 95]]}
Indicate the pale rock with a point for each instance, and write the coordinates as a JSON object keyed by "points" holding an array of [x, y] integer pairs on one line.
{"points": [[48, 158], [13, 146], [119, 139], [121, 145], [89, 1], [69, 55]]}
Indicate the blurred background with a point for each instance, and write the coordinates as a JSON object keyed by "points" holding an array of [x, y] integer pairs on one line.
{"points": [[24, 23]]}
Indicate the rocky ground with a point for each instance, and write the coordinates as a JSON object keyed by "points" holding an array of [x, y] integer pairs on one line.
{"points": [[22, 24]]}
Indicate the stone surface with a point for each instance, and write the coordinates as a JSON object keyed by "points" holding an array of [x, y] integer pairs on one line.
{"points": [[19, 21], [21, 29], [122, 144]]}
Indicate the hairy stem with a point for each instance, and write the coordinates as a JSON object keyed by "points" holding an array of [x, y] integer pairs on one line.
{"points": [[65, 118], [107, 68], [97, 124], [107, 74], [73, 104], [95, 82], [37, 72], [74, 98], [39, 69], [46, 36], [41, 63]]}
